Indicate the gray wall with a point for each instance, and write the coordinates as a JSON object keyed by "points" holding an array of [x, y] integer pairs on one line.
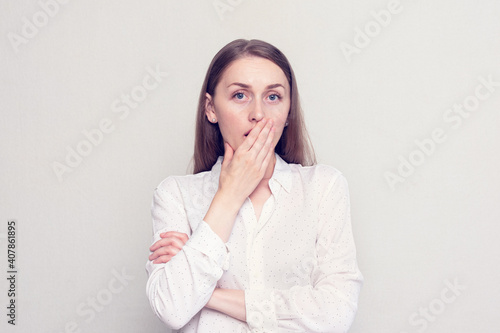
{"points": [[398, 103]]}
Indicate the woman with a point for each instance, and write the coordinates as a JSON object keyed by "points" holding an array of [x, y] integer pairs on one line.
{"points": [[257, 239]]}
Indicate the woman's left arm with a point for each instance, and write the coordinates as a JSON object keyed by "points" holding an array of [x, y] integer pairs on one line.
{"points": [[229, 301]]}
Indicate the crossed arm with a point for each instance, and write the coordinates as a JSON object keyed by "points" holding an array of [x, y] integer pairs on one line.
{"points": [[327, 303], [228, 301]]}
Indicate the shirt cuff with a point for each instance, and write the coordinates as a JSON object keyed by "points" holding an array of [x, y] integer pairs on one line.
{"points": [[206, 241], [260, 310]]}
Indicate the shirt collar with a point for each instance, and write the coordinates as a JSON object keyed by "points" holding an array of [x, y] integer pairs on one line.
{"points": [[282, 172], [216, 168]]}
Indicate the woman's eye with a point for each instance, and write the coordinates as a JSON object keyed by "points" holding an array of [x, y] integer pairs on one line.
{"points": [[274, 97], [239, 95]]}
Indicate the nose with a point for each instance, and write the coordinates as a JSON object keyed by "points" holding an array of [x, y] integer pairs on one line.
{"points": [[256, 113]]}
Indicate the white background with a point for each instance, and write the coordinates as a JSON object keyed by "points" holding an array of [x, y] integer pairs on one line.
{"points": [[434, 227]]}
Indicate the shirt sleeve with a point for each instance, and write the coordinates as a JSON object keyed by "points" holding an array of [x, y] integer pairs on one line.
{"points": [[329, 303], [180, 288]]}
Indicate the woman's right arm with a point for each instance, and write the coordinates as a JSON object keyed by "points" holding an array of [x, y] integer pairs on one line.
{"points": [[241, 172], [181, 287]]}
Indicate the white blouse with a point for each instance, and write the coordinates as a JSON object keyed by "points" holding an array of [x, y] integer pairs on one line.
{"points": [[296, 264]]}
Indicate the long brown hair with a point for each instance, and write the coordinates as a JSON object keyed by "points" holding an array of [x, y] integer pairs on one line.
{"points": [[294, 145]]}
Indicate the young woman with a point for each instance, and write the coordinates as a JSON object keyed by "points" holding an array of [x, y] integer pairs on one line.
{"points": [[259, 238]]}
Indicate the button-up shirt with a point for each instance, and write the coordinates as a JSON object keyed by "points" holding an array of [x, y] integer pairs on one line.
{"points": [[296, 263]]}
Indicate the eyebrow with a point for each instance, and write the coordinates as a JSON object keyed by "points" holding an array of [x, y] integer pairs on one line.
{"points": [[243, 85]]}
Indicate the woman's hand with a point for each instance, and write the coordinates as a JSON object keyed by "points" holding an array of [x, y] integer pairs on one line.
{"points": [[242, 170], [169, 245]]}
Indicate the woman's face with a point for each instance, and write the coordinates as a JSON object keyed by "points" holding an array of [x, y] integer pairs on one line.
{"points": [[251, 89]]}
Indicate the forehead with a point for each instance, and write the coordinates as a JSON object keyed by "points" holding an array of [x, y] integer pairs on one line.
{"points": [[254, 71]]}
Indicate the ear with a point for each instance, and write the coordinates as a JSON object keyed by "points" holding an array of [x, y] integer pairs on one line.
{"points": [[209, 108]]}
